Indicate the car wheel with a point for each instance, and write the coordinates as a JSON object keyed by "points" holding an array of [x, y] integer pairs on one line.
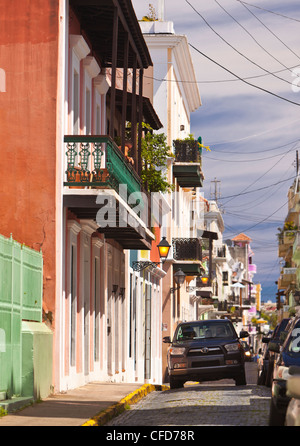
{"points": [[275, 418], [241, 379], [175, 383]]}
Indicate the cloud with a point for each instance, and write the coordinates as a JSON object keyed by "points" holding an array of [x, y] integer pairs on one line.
{"points": [[241, 119]]}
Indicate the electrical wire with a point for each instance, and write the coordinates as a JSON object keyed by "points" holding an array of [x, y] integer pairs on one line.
{"points": [[252, 37], [231, 46], [259, 223], [259, 189], [253, 136], [218, 81], [257, 203], [259, 178], [273, 34], [267, 10], [241, 79], [206, 156], [261, 151]]}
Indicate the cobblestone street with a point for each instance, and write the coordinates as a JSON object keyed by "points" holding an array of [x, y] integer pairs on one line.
{"points": [[218, 403]]}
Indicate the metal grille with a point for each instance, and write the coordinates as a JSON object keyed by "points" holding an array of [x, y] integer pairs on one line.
{"points": [[187, 151], [187, 249]]}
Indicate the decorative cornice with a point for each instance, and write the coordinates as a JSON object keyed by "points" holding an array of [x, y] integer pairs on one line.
{"points": [[88, 227], [97, 242], [101, 83], [73, 226], [79, 46], [91, 66]]}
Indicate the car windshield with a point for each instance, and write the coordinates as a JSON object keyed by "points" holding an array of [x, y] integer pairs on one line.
{"points": [[293, 343], [205, 330]]}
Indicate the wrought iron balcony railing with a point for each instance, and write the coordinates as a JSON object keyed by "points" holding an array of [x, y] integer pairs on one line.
{"points": [[187, 151], [96, 161], [187, 249]]}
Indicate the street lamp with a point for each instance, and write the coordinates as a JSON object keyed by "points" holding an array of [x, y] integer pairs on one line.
{"points": [[163, 249], [204, 280], [179, 278]]}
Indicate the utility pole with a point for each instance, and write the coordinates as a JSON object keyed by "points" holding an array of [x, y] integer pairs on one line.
{"points": [[215, 194]]}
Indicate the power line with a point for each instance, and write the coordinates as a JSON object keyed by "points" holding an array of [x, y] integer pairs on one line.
{"points": [[231, 46], [265, 173], [246, 161], [243, 80], [253, 136], [273, 34], [257, 203], [259, 223], [260, 151], [261, 188], [267, 10], [220, 80], [252, 37]]}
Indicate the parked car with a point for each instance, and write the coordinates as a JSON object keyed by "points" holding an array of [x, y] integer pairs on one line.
{"points": [[276, 340], [288, 355], [263, 361], [205, 351], [247, 349], [292, 417]]}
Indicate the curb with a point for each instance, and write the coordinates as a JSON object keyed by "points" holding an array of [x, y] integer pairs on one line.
{"points": [[113, 411]]}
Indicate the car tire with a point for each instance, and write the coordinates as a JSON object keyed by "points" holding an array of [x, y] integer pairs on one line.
{"points": [[240, 380], [176, 383], [275, 418]]}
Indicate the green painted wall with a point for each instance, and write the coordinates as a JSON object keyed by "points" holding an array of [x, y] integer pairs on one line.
{"points": [[24, 348]]}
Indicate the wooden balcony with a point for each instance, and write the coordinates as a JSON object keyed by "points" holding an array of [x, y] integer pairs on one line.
{"points": [[98, 175]]}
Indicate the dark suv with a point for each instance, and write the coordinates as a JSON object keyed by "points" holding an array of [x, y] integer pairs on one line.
{"points": [[205, 351]]}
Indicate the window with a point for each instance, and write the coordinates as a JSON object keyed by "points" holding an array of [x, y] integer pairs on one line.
{"points": [[225, 278]]}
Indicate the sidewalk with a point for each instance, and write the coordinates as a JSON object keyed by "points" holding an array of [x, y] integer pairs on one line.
{"points": [[91, 405]]}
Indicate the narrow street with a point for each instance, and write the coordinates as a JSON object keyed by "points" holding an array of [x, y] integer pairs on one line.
{"points": [[218, 403]]}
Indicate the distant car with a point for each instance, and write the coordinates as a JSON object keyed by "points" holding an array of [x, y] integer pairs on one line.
{"points": [[247, 350], [205, 351], [293, 391], [288, 355]]}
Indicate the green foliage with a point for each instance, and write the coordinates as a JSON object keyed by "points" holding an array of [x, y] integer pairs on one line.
{"points": [[151, 17], [155, 153]]}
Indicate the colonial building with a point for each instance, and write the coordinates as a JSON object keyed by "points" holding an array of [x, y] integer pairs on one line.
{"points": [[73, 77]]}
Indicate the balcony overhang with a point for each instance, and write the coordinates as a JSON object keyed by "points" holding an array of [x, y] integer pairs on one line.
{"points": [[149, 114], [188, 174], [97, 22], [122, 224], [189, 268]]}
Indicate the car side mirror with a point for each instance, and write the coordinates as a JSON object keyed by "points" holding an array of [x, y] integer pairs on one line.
{"points": [[265, 340], [274, 347], [244, 334], [167, 340]]}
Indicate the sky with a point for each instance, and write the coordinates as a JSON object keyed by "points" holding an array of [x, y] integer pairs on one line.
{"points": [[246, 57]]}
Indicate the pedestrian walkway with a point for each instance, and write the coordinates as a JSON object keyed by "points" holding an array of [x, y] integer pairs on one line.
{"points": [[90, 405]]}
